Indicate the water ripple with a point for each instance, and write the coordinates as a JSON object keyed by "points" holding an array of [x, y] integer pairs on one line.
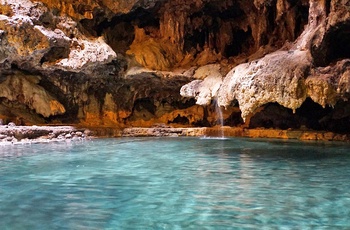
{"points": [[189, 183]]}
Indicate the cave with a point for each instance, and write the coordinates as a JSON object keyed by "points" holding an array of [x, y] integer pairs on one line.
{"points": [[145, 104], [338, 119], [118, 31], [119, 36], [160, 46], [273, 115], [215, 26], [334, 47], [180, 120], [235, 119], [311, 114]]}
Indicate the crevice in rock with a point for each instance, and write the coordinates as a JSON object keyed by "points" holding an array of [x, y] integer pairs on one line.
{"points": [[182, 104], [243, 40], [65, 98], [145, 104], [54, 54], [221, 27], [302, 14], [335, 45], [180, 120], [328, 7]]}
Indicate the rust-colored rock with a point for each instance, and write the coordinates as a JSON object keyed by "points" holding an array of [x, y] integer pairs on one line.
{"points": [[122, 63]]}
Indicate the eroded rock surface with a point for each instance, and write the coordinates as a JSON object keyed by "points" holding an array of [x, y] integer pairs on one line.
{"points": [[12, 134], [289, 75], [123, 63]]}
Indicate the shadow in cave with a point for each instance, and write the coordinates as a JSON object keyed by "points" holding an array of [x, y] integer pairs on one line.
{"points": [[274, 116], [335, 45], [119, 30], [312, 115], [334, 119]]}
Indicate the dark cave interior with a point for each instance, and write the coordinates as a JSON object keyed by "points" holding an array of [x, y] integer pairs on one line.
{"points": [[310, 115], [222, 26], [335, 46]]}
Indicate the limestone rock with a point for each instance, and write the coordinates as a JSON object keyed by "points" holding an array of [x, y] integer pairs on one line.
{"points": [[284, 76], [278, 77], [87, 52], [25, 89], [327, 85], [123, 63], [204, 90]]}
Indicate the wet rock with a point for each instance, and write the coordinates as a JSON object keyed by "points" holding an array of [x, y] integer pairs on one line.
{"points": [[32, 134], [79, 134], [11, 124]]}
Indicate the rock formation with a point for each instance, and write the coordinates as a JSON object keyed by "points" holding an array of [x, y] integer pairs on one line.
{"points": [[273, 64]]}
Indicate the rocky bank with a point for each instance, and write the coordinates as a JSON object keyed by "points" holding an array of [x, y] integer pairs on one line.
{"points": [[276, 64], [12, 134]]}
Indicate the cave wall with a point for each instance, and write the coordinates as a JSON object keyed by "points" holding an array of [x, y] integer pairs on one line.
{"points": [[124, 63]]}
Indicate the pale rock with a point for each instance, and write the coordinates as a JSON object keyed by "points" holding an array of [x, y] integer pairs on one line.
{"points": [[278, 77], [24, 89], [204, 90], [86, 51]]}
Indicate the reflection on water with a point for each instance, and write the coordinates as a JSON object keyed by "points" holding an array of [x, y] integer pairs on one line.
{"points": [[175, 183]]}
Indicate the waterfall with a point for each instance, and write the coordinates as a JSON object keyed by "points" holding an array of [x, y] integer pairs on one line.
{"points": [[220, 118]]}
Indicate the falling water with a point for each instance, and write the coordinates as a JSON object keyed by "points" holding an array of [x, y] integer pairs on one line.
{"points": [[220, 117]]}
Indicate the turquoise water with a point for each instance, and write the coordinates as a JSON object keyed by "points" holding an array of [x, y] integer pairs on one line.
{"points": [[175, 183]]}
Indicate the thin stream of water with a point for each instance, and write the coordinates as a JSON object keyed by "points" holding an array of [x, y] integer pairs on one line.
{"points": [[220, 117]]}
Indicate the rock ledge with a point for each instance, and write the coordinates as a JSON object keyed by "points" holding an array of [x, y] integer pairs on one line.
{"points": [[11, 134]]}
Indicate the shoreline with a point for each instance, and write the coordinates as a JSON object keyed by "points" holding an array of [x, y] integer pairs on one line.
{"points": [[12, 134], [302, 135]]}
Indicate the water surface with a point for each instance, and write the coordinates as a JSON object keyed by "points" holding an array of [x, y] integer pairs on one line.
{"points": [[175, 183]]}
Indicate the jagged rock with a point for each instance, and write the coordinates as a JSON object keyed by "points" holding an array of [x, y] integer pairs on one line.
{"points": [[25, 89], [282, 76], [206, 89], [98, 63], [278, 77]]}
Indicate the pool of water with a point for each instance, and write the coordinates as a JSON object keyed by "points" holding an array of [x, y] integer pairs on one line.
{"points": [[175, 183]]}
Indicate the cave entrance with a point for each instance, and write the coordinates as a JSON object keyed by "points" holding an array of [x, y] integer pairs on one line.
{"points": [[180, 120], [335, 46], [274, 115], [313, 114]]}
